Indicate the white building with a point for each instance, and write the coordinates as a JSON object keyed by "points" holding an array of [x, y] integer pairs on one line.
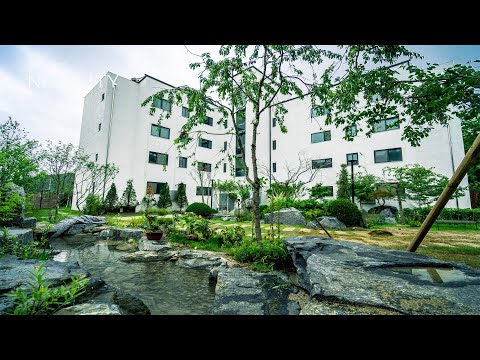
{"points": [[117, 129]]}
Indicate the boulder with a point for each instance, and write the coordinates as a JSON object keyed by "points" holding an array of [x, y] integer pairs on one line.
{"points": [[130, 304], [151, 245], [199, 259], [379, 209], [29, 223], [121, 233], [64, 226], [90, 309], [288, 216], [386, 213], [24, 236], [332, 222], [147, 256], [390, 220]]}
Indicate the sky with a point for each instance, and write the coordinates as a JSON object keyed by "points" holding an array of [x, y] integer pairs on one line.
{"points": [[43, 87]]}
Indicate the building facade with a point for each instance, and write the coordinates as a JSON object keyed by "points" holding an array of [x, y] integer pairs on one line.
{"points": [[117, 129]]}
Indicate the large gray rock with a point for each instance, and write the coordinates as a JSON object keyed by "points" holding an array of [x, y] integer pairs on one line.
{"points": [[197, 259], [29, 223], [147, 256], [386, 213], [390, 220], [64, 226], [24, 236], [90, 309], [330, 222], [241, 291], [121, 233], [346, 272], [151, 245], [288, 216]]}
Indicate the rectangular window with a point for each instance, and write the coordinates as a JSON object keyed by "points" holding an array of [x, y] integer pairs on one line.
{"points": [[239, 168], [103, 97], [96, 157], [205, 143], [225, 125], [160, 131], [352, 157], [204, 167], [274, 144], [203, 190], [321, 136], [388, 155], [318, 111], [386, 124], [322, 163], [182, 162], [185, 112], [274, 165], [352, 130], [225, 146], [274, 122], [156, 186], [157, 158], [99, 126], [224, 167], [208, 121], [162, 104]]}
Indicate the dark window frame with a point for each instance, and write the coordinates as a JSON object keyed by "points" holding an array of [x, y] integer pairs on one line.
{"points": [[274, 145], [274, 167], [155, 186], [185, 112], [355, 162], [103, 97], [162, 104], [385, 126], [324, 161], [349, 129], [157, 157], [208, 121], [318, 111], [324, 133], [274, 122], [160, 128], [224, 167], [202, 166], [99, 126], [182, 159], [202, 141], [388, 155], [201, 189]]}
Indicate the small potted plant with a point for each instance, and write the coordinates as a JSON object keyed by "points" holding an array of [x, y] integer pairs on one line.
{"points": [[156, 226]]}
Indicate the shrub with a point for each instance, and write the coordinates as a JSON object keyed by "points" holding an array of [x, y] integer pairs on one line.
{"points": [[419, 214], [263, 209], [231, 236], [157, 211], [345, 211], [244, 216], [200, 209], [94, 205], [198, 226], [268, 254]]}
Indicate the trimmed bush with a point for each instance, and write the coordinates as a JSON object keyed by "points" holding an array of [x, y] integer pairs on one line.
{"points": [[419, 214], [345, 211], [200, 209], [93, 205]]}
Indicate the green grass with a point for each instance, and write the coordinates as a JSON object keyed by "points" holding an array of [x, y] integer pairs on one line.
{"points": [[464, 254], [64, 212]]}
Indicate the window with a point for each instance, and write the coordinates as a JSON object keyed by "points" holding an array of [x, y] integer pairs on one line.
{"points": [[225, 146], [204, 167], [205, 143], [225, 124], [157, 158], [352, 157], [99, 126], [239, 168], [156, 186], [224, 167], [185, 112], [202, 190], [386, 124], [321, 136], [208, 121], [388, 155], [274, 122], [160, 131], [352, 130], [182, 162], [96, 157], [322, 163], [103, 97], [318, 111], [274, 165], [162, 104], [274, 144]]}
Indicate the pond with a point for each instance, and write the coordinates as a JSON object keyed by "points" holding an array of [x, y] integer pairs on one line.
{"points": [[166, 289]]}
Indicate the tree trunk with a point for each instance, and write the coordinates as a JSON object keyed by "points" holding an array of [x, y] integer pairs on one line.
{"points": [[400, 208], [256, 181]]}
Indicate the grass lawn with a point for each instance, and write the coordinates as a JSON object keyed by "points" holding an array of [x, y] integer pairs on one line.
{"points": [[42, 214]]}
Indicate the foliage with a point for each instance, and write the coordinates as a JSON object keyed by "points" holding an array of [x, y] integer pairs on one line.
{"points": [[243, 215], [31, 250], [40, 298], [157, 211], [419, 214], [263, 210], [200, 209], [94, 205], [198, 227], [10, 202], [231, 236], [149, 200], [364, 186], [129, 197], [291, 191], [138, 222], [271, 253], [343, 184], [182, 200], [345, 211], [164, 200], [157, 223], [318, 191], [381, 196], [111, 199]]}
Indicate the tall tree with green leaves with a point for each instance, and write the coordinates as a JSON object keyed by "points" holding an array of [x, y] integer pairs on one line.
{"points": [[263, 75], [111, 199], [164, 199], [343, 184], [318, 191], [129, 196], [364, 186], [182, 200]]}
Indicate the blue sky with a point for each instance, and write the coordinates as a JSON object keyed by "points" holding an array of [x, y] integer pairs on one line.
{"points": [[43, 87]]}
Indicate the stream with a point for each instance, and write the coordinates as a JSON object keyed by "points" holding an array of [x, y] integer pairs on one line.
{"points": [[166, 289]]}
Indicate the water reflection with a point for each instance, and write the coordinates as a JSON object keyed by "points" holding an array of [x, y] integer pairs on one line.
{"points": [[164, 287], [434, 275]]}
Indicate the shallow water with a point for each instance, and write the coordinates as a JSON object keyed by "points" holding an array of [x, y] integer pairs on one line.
{"points": [[434, 275], [165, 288]]}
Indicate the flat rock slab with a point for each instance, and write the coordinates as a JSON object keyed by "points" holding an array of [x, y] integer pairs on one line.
{"points": [[241, 291], [24, 236], [121, 234], [90, 309], [199, 259], [152, 245], [147, 256], [363, 275]]}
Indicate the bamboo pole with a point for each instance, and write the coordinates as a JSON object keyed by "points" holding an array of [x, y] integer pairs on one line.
{"points": [[452, 185]]}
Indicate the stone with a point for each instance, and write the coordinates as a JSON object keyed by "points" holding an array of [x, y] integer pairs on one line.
{"points": [[75, 229], [147, 256], [380, 233], [379, 209], [63, 226], [332, 222], [24, 236], [121, 233], [124, 247], [196, 259], [130, 304], [104, 234], [90, 309], [150, 245], [98, 229], [241, 291], [401, 282], [386, 213], [29, 223], [390, 220], [288, 216]]}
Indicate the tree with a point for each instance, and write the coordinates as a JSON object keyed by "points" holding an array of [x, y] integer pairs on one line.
{"points": [[182, 196], [243, 191], [381, 196], [470, 129], [201, 177], [348, 74], [164, 200], [343, 185], [91, 177], [59, 160], [318, 191], [111, 199], [365, 185], [149, 198], [227, 187], [129, 197], [19, 156]]}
